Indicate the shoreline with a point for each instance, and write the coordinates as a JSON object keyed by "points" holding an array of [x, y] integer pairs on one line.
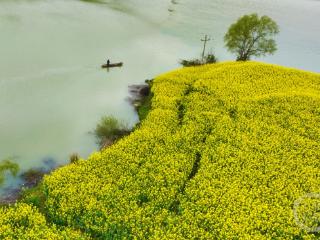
{"points": [[139, 97]]}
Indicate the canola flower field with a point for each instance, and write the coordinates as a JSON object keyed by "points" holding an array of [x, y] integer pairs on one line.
{"points": [[224, 153]]}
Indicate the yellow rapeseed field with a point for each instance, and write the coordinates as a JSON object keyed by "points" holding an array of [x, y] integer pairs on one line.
{"points": [[224, 153]]}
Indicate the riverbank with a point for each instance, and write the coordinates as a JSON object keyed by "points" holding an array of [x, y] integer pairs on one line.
{"points": [[29, 191], [27, 179], [141, 98], [196, 159]]}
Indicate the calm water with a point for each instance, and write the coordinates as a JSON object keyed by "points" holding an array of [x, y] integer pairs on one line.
{"points": [[52, 90]]}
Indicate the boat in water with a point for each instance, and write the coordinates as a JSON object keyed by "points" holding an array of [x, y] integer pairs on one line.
{"points": [[110, 65]]}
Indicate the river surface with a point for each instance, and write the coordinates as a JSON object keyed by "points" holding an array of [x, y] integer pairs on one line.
{"points": [[53, 92]]}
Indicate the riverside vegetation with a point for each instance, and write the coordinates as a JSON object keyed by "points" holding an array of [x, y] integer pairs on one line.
{"points": [[7, 165], [223, 153], [251, 36], [108, 130]]}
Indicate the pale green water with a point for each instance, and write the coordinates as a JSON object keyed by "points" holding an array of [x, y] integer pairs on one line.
{"points": [[52, 90]]}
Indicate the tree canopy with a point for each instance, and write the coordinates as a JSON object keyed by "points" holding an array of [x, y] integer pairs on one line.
{"points": [[251, 36]]}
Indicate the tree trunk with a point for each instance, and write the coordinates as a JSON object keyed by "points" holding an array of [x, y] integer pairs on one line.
{"points": [[243, 57]]}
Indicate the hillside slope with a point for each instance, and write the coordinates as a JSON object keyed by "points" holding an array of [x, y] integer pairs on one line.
{"points": [[224, 153]]}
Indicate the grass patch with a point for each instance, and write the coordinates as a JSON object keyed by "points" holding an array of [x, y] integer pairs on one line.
{"points": [[34, 196], [144, 108]]}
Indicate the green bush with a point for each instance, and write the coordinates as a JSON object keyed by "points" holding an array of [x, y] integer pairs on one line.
{"points": [[109, 129], [74, 158], [208, 59], [191, 63], [211, 58], [8, 165]]}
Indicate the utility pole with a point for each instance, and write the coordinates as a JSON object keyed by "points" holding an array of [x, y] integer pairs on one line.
{"points": [[205, 40]]}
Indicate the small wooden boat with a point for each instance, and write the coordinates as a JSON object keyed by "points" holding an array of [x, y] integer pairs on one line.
{"points": [[120, 64]]}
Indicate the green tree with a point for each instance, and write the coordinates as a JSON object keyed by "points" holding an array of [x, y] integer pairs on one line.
{"points": [[251, 36]]}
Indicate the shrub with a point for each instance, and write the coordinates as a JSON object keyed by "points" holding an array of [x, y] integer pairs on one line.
{"points": [[74, 158], [109, 129], [208, 59], [8, 165], [191, 63]]}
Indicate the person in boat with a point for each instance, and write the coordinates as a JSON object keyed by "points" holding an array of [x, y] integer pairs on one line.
{"points": [[108, 63]]}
